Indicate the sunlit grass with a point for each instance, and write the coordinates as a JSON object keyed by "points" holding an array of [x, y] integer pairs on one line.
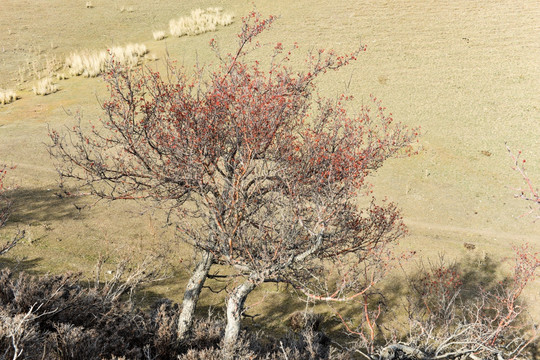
{"points": [[200, 21], [93, 63], [7, 96], [159, 35], [45, 86]]}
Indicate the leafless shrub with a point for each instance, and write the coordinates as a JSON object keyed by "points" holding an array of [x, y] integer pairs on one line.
{"points": [[530, 193], [306, 345], [74, 343], [164, 318], [204, 354], [128, 276], [55, 317], [455, 313], [15, 333], [207, 332], [302, 320]]}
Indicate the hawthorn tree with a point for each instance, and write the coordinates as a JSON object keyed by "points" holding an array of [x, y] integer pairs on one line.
{"points": [[261, 175]]}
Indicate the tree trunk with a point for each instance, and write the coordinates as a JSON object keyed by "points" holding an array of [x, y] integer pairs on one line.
{"points": [[235, 307], [191, 295]]}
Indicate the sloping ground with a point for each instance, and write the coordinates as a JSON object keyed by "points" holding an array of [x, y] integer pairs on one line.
{"points": [[467, 72]]}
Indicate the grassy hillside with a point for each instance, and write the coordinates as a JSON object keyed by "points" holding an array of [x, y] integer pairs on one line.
{"points": [[466, 72]]}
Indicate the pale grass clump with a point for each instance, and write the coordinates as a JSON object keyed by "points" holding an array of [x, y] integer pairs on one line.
{"points": [[128, 9], [87, 64], [226, 19], [128, 55], [45, 86], [7, 96], [199, 22], [91, 64], [158, 35]]}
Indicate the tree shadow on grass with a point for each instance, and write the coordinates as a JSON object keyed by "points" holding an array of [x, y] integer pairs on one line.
{"points": [[268, 309], [475, 273], [20, 265], [280, 303], [32, 205], [397, 292]]}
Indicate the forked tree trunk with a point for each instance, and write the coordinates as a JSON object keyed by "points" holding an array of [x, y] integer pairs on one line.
{"points": [[191, 295], [235, 307]]}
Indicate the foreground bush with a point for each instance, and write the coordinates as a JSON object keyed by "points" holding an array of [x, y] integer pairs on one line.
{"points": [[54, 317], [451, 311]]}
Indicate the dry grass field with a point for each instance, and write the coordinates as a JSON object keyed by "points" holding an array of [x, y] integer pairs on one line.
{"points": [[466, 72]]}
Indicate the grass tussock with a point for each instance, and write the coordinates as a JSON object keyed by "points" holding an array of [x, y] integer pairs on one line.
{"points": [[7, 96], [91, 64], [128, 9], [45, 86], [200, 21], [62, 76], [159, 35]]}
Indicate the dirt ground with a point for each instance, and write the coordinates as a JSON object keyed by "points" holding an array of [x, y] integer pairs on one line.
{"points": [[466, 72]]}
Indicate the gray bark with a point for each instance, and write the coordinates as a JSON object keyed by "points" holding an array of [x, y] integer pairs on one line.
{"points": [[235, 307], [388, 352], [191, 295]]}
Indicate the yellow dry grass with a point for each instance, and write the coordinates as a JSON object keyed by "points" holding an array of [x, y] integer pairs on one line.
{"points": [[466, 72], [199, 22], [159, 35], [7, 96], [45, 86], [93, 63]]}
